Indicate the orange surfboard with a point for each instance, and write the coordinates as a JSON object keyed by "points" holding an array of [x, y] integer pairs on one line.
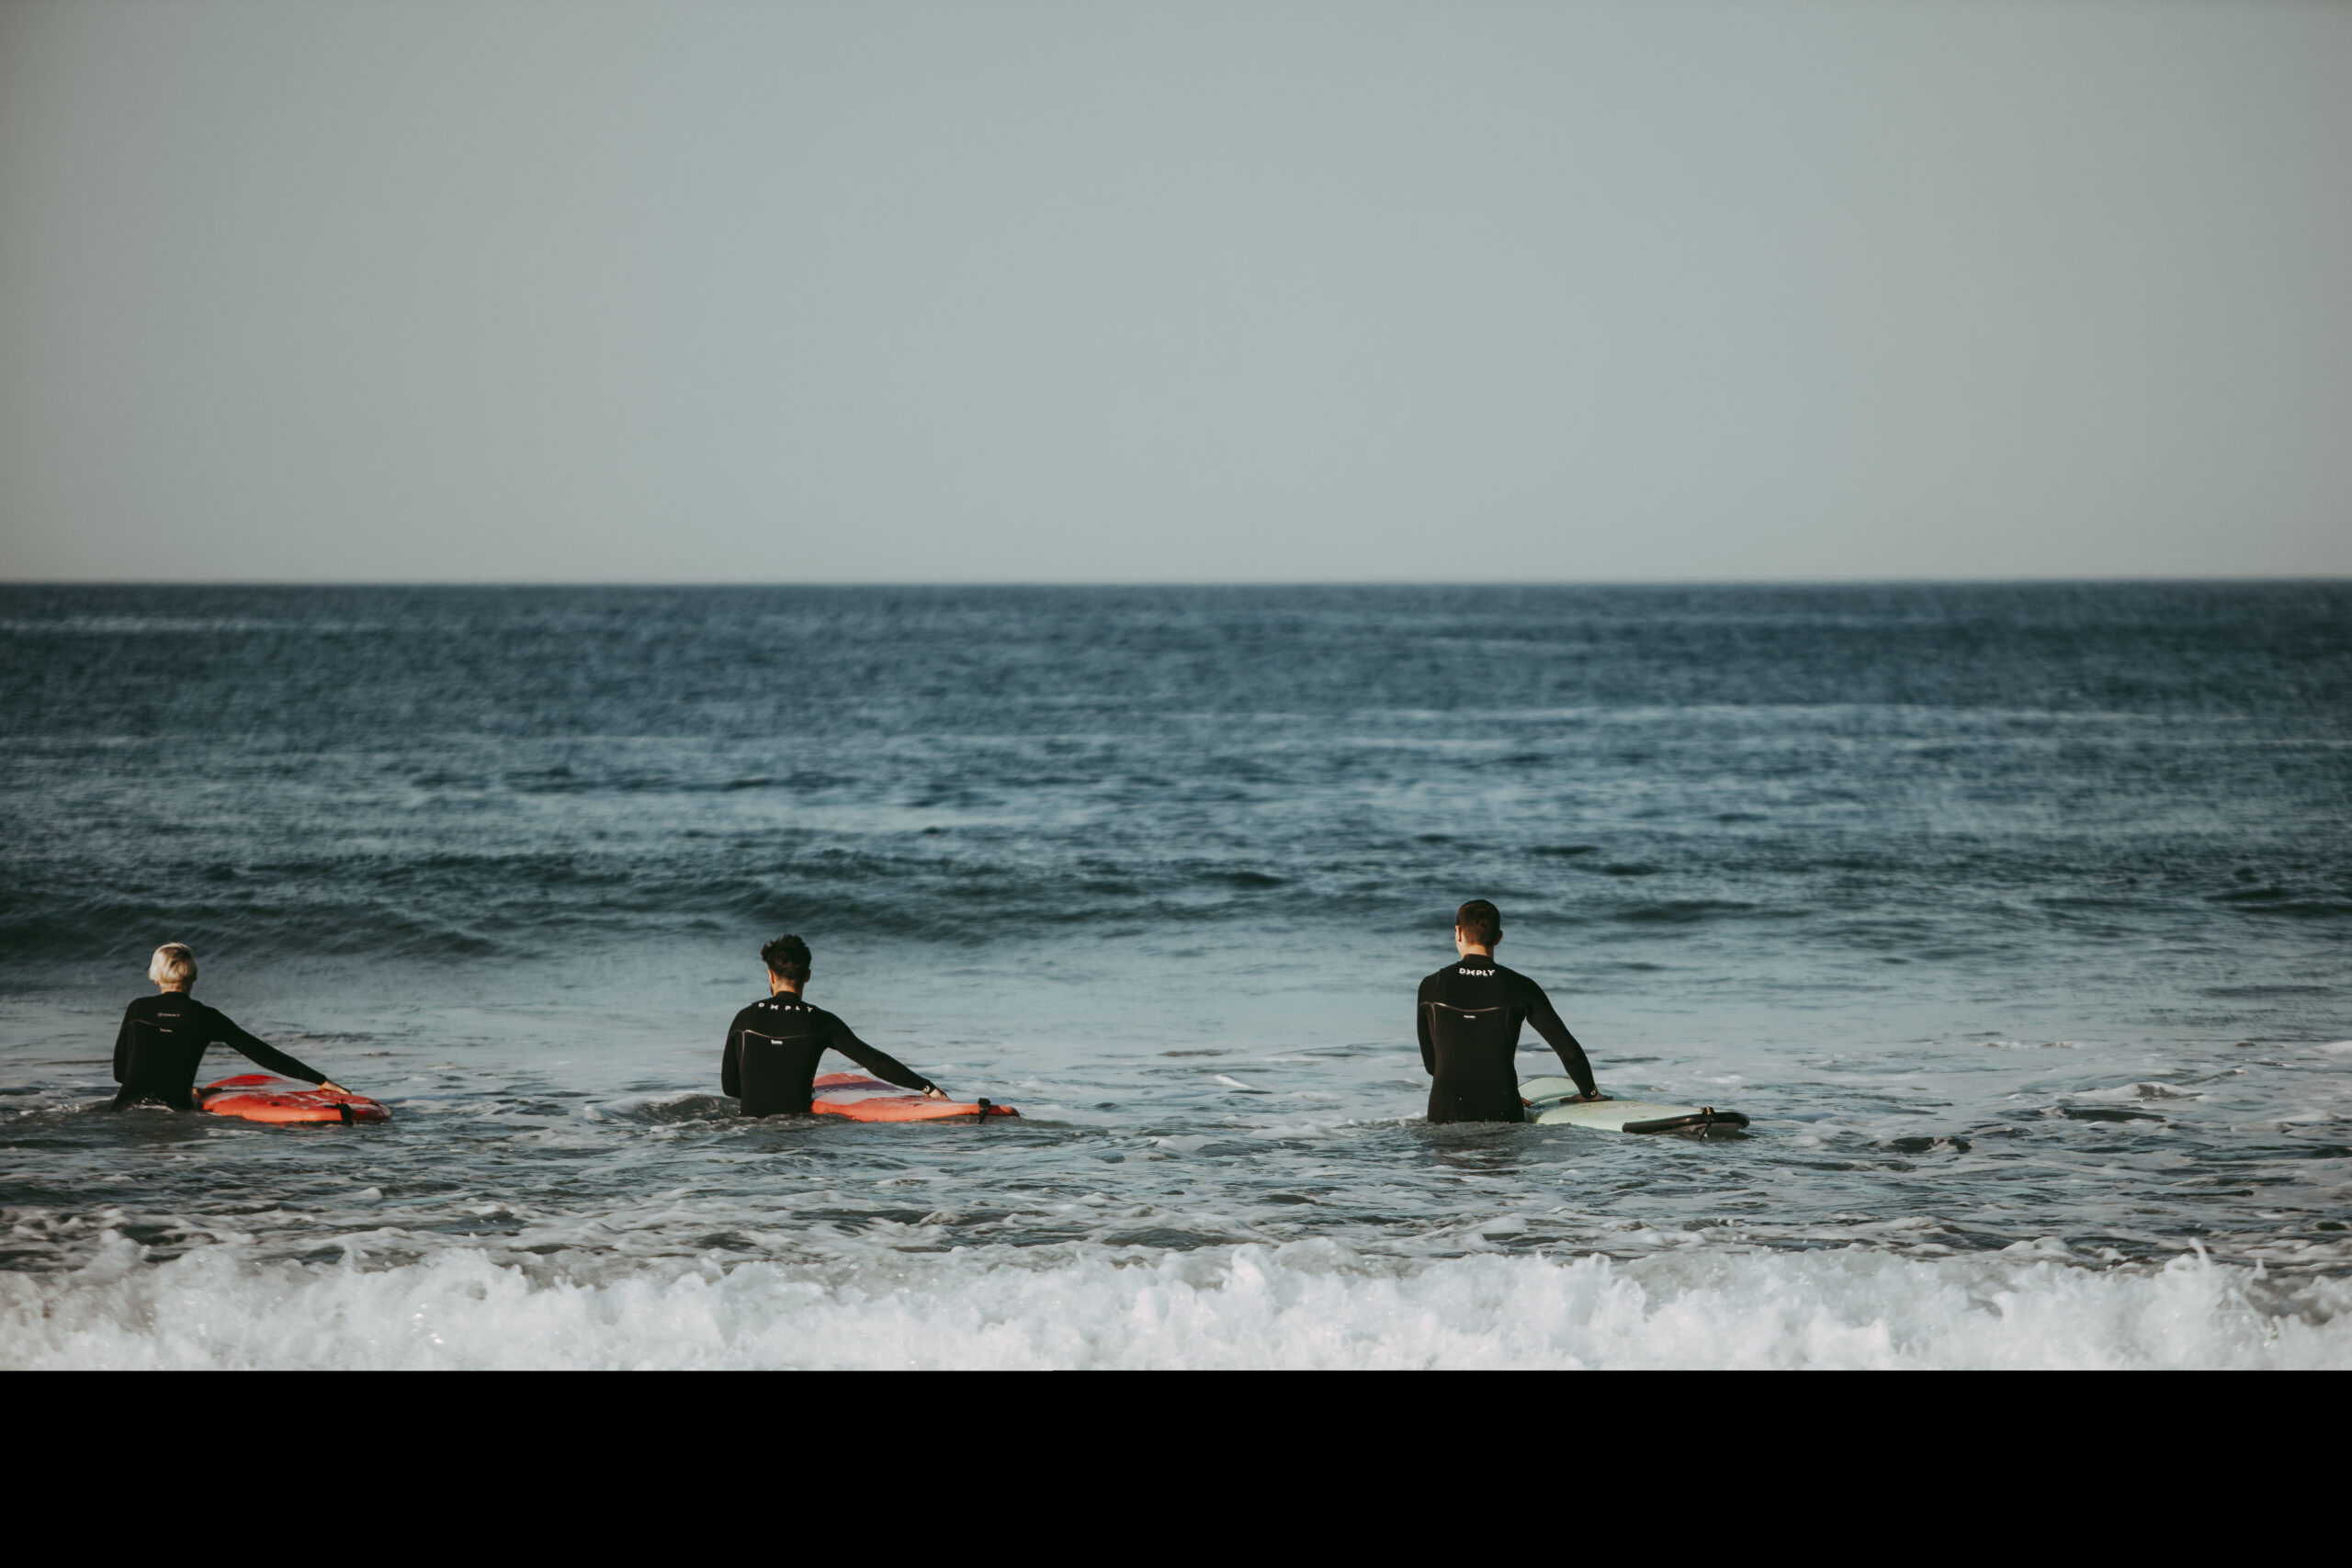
{"points": [[257, 1096], [862, 1098]]}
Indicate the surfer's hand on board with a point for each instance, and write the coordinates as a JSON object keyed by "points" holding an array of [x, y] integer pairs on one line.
{"points": [[1588, 1099], [331, 1087], [935, 1092]]}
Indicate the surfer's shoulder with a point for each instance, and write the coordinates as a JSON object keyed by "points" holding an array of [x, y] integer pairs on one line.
{"points": [[1512, 979]]}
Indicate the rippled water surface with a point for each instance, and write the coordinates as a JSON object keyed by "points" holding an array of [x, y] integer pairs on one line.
{"points": [[2017, 919]]}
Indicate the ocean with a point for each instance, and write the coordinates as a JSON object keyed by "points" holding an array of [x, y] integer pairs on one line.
{"points": [[2017, 916]]}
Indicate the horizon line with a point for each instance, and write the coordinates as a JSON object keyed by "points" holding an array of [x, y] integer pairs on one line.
{"points": [[454, 582]]}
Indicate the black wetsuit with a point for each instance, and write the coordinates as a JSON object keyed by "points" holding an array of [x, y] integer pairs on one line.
{"points": [[1468, 1019], [772, 1050], [161, 1043]]}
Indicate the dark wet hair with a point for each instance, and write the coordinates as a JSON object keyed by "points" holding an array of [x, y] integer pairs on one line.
{"points": [[787, 959], [1481, 923]]}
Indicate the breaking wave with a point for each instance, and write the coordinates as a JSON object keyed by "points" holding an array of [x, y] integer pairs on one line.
{"points": [[1311, 1304]]}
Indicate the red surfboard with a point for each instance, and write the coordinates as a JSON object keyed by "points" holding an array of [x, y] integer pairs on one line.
{"points": [[862, 1098], [257, 1096]]}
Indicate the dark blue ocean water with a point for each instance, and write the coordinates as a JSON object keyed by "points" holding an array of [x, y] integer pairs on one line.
{"points": [[2016, 915]]}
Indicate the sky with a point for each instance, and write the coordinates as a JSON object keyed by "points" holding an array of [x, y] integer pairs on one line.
{"points": [[1274, 290]]}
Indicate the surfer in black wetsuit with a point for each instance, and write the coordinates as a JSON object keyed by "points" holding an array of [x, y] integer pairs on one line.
{"points": [[162, 1041], [1468, 1019], [773, 1046]]}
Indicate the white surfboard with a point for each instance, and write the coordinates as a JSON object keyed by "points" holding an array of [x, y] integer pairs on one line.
{"points": [[1553, 1102]]}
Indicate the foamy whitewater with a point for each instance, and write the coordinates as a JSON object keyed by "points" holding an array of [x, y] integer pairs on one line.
{"points": [[2014, 917], [1309, 1305]]}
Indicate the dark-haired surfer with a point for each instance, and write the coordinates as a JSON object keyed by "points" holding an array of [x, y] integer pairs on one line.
{"points": [[1468, 1019], [773, 1046], [162, 1041]]}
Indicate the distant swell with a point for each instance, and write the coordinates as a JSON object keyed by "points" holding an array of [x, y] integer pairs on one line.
{"points": [[2044, 781], [300, 928]]}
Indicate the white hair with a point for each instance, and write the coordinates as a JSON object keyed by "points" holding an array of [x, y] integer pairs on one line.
{"points": [[172, 964]]}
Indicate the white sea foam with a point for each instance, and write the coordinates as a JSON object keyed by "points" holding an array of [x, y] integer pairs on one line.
{"points": [[1310, 1305]]}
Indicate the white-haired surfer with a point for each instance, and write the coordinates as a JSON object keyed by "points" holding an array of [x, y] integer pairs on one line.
{"points": [[163, 1038]]}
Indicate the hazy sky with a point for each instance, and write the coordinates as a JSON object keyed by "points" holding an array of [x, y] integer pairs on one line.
{"points": [[1266, 290]]}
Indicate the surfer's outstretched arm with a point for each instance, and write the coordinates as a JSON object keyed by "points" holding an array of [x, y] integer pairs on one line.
{"points": [[225, 1030], [1546, 1020], [881, 1064]]}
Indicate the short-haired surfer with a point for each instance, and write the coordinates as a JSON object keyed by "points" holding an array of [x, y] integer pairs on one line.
{"points": [[163, 1038], [773, 1046], [1468, 1019]]}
